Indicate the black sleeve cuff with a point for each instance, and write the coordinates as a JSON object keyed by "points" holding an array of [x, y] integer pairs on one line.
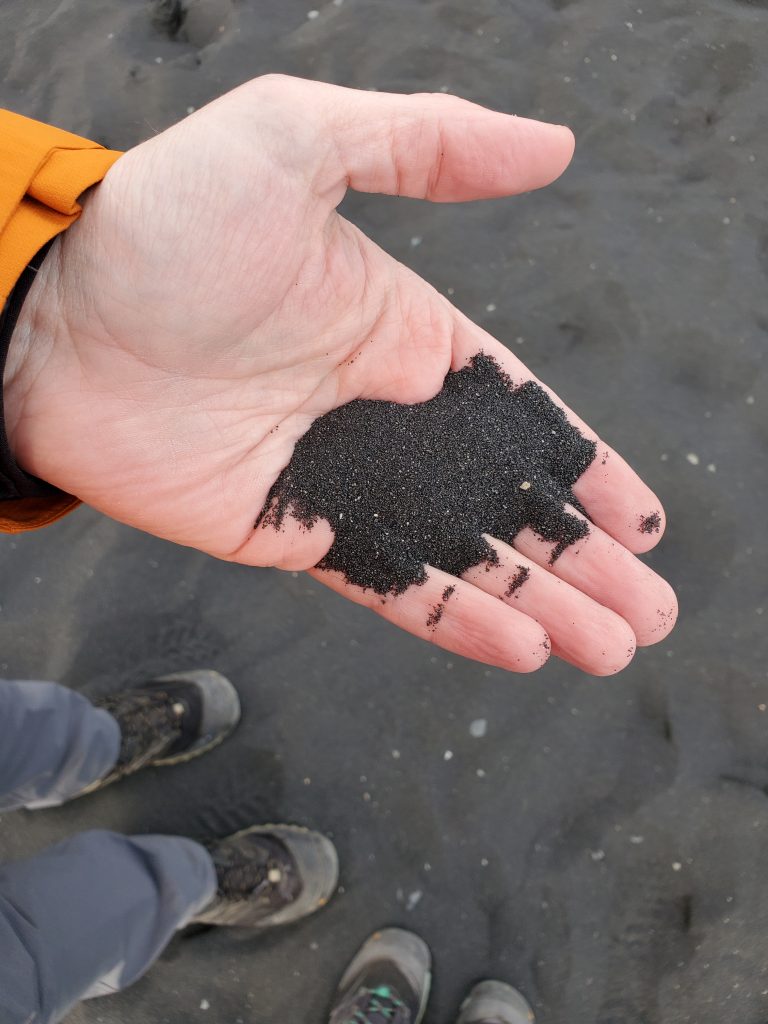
{"points": [[14, 482]]}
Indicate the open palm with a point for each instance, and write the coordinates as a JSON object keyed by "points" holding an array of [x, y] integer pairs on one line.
{"points": [[211, 303]]}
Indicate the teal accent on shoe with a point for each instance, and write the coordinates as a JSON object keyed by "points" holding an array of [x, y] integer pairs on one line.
{"points": [[387, 1012]]}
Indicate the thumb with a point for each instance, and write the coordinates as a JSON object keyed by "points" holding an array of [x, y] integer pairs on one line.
{"points": [[431, 146]]}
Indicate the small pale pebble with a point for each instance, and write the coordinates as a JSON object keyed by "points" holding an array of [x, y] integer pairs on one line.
{"points": [[614, 57], [750, 399], [478, 728], [416, 241], [307, 781], [491, 307], [274, 875], [338, 3], [636, 840], [762, 707], [677, 866], [205, 1005], [314, 946], [448, 755], [712, 467], [693, 459], [427, 866], [313, 14], [480, 773], [449, 291], [190, 110], [484, 862], [158, 60], [413, 900], [663, 456], [110, 35], [597, 855], [726, 220], [525, 485], [396, 755]]}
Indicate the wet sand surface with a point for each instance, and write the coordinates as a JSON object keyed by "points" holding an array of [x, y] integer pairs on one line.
{"points": [[600, 844]]}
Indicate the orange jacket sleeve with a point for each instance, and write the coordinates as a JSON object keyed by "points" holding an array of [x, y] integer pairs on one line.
{"points": [[43, 172]]}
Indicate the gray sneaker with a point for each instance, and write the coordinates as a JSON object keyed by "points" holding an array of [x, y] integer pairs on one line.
{"points": [[169, 720], [270, 875], [386, 983], [493, 1002]]}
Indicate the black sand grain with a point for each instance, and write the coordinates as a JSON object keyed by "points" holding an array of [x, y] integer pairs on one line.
{"points": [[516, 581], [437, 612], [405, 486], [435, 615], [651, 523]]}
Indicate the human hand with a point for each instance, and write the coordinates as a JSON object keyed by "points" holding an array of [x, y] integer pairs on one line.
{"points": [[210, 304]]}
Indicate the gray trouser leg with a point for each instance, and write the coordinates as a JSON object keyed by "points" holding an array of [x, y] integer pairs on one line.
{"points": [[88, 916], [53, 743]]}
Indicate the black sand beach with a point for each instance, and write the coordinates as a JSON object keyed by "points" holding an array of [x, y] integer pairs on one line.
{"points": [[603, 845]]}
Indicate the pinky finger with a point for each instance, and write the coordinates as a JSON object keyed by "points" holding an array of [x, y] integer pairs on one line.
{"points": [[457, 617]]}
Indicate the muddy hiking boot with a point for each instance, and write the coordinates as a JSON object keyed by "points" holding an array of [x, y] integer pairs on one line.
{"points": [[386, 983], [169, 720], [270, 875], [493, 1002]]}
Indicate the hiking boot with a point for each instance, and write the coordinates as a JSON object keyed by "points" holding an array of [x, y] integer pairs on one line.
{"points": [[270, 875], [387, 982], [493, 1002], [169, 720]]}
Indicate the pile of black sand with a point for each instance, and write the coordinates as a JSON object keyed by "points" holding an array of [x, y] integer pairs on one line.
{"points": [[404, 486]]}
